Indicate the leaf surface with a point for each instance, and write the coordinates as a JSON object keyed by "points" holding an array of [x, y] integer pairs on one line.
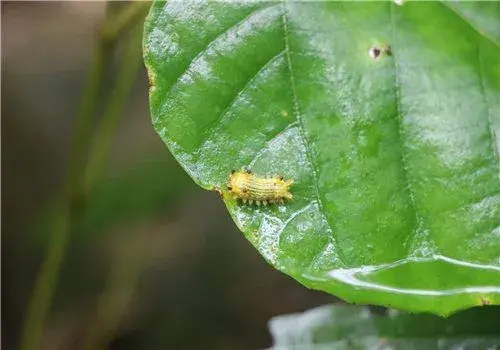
{"points": [[386, 117], [333, 327]]}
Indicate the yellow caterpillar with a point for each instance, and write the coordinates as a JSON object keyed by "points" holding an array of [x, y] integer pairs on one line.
{"points": [[261, 190]]}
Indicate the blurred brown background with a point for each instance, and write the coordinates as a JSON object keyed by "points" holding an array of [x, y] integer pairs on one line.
{"points": [[156, 262]]}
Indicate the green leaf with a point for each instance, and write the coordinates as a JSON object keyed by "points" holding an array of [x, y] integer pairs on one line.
{"points": [[387, 118], [353, 327]]}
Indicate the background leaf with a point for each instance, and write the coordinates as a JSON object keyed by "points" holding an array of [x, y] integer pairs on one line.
{"points": [[354, 327], [387, 117]]}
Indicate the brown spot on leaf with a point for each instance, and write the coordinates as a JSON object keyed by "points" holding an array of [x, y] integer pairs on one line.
{"points": [[388, 50], [485, 301], [217, 189], [152, 81], [376, 52]]}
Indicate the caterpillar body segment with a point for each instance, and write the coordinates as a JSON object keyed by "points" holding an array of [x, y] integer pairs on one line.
{"points": [[251, 188]]}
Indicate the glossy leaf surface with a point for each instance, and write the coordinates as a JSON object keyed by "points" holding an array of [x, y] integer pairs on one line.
{"points": [[386, 117], [335, 327]]}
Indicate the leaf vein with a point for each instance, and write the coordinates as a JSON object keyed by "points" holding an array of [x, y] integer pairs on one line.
{"points": [[299, 119], [295, 214], [399, 119], [231, 103], [265, 147], [490, 122], [237, 25]]}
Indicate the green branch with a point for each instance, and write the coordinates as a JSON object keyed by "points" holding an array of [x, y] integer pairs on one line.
{"points": [[71, 195], [114, 108]]}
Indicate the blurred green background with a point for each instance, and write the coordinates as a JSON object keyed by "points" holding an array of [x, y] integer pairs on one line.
{"points": [[155, 262]]}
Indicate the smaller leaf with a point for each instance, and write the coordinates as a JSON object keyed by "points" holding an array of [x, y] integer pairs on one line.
{"points": [[356, 327]]}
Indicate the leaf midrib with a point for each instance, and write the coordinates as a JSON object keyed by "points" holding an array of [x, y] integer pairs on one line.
{"points": [[399, 117], [297, 113]]}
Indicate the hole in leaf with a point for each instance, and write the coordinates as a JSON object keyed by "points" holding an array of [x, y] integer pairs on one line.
{"points": [[375, 53], [378, 51]]}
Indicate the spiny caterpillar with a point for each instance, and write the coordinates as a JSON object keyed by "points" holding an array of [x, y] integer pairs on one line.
{"points": [[261, 190]]}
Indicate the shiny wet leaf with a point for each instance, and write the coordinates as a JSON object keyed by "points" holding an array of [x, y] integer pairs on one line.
{"points": [[386, 117]]}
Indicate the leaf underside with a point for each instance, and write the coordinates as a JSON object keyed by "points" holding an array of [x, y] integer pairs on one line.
{"points": [[386, 117]]}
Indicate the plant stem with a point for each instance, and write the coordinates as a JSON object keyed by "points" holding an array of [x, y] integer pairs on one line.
{"points": [[113, 110], [47, 277], [131, 14], [71, 194]]}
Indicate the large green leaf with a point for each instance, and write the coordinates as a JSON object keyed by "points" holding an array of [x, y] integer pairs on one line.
{"points": [[387, 117], [333, 327]]}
